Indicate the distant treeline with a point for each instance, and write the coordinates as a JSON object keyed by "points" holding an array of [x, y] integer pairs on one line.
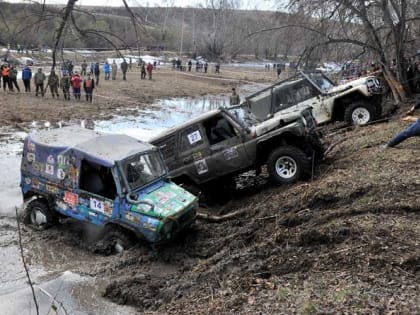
{"points": [[211, 33]]}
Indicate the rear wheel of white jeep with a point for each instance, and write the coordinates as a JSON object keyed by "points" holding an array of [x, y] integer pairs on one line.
{"points": [[359, 113], [287, 164], [38, 215]]}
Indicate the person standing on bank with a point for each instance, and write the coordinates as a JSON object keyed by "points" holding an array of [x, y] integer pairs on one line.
{"points": [[13, 79], [143, 71], [5, 72], [149, 69], [88, 86], [39, 79], [65, 84], [26, 78], [124, 67], [53, 82], [234, 98], [114, 68], [411, 131]]}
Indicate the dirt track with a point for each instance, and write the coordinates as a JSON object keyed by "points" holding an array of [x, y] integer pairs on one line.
{"points": [[346, 243]]}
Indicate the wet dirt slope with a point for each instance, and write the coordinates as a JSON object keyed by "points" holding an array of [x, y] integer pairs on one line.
{"points": [[348, 242]]}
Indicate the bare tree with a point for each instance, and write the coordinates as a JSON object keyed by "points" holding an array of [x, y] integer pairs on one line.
{"points": [[379, 27]]}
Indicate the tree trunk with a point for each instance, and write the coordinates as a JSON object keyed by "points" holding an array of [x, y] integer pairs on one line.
{"points": [[398, 91]]}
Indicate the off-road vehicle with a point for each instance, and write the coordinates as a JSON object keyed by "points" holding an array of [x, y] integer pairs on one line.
{"points": [[112, 181], [356, 102], [221, 143]]}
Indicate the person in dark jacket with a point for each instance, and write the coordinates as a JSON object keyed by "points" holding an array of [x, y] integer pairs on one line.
{"points": [[65, 84], [97, 72], [39, 79], [26, 78], [143, 71], [13, 79], [53, 82], [124, 67], [88, 86]]}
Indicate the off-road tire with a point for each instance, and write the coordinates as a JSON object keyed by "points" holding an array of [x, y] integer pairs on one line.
{"points": [[363, 106], [287, 164], [114, 240], [39, 216]]}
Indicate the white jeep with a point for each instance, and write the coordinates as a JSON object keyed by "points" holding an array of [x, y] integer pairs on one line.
{"points": [[357, 102]]}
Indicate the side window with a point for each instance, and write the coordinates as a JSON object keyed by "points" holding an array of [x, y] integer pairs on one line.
{"points": [[97, 180], [218, 129], [167, 147], [191, 138], [304, 92]]}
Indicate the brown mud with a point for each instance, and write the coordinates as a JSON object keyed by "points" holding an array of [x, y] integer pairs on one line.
{"points": [[346, 242]]}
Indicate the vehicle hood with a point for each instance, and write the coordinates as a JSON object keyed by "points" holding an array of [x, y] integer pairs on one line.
{"points": [[282, 118], [169, 200], [348, 85]]}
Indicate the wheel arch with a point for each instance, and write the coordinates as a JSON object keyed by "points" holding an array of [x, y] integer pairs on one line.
{"points": [[264, 148], [342, 102]]}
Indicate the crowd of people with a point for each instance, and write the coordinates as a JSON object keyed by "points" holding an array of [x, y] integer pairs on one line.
{"points": [[68, 80]]}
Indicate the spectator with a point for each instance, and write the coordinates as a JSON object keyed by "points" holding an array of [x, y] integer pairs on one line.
{"points": [[53, 82], [114, 69], [149, 69], [39, 79], [88, 86], [65, 84], [107, 70], [76, 81], [97, 72], [26, 78], [234, 98], [124, 67], [13, 79]]}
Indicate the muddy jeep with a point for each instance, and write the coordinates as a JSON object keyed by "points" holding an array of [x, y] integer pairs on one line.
{"points": [[357, 102], [112, 181], [213, 147]]}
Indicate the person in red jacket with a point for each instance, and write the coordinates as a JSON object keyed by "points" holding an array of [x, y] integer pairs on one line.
{"points": [[149, 69], [5, 71], [76, 82]]}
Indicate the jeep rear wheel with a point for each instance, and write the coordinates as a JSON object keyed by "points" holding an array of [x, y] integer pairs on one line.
{"points": [[360, 113], [38, 215], [287, 164]]}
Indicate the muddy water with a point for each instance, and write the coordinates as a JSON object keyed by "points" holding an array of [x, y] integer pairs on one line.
{"points": [[143, 124], [56, 271]]}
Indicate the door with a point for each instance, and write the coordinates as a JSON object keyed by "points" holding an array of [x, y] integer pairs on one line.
{"points": [[97, 192]]}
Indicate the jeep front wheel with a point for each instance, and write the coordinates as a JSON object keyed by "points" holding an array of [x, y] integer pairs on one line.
{"points": [[38, 215], [359, 113], [287, 164], [114, 240]]}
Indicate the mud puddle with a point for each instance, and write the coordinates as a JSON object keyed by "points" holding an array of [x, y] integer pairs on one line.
{"points": [[57, 258]]}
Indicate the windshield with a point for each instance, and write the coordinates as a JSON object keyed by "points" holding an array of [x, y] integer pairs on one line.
{"points": [[242, 114], [143, 169], [323, 83]]}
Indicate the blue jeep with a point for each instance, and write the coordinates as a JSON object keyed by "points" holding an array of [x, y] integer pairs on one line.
{"points": [[110, 180]]}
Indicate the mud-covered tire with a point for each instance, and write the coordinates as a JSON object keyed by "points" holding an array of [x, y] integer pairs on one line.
{"points": [[39, 216], [360, 113], [287, 164], [115, 240]]}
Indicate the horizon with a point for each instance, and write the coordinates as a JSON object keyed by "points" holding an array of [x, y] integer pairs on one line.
{"points": [[265, 5]]}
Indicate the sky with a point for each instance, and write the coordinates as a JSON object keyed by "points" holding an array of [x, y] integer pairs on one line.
{"points": [[244, 4]]}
